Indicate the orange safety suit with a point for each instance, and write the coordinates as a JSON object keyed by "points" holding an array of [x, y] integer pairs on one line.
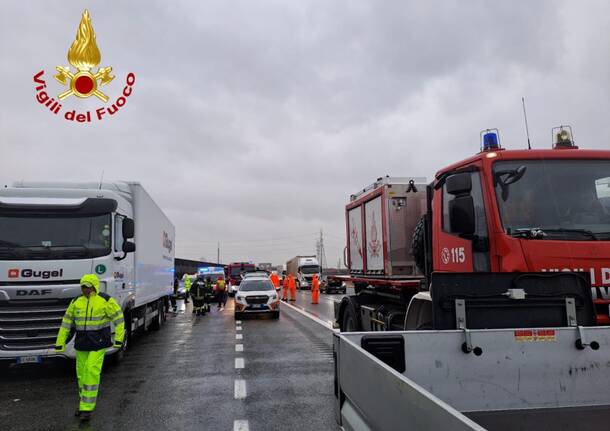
{"points": [[275, 280], [292, 286], [315, 290], [285, 285]]}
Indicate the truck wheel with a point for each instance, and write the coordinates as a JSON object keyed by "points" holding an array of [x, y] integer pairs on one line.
{"points": [[351, 319], [418, 245], [156, 324]]}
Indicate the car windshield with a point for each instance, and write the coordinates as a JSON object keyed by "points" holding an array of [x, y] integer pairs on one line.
{"points": [[255, 285], [310, 269], [51, 237], [559, 199]]}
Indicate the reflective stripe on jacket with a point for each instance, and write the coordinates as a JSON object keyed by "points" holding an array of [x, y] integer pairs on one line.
{"points": [[91, 318]]}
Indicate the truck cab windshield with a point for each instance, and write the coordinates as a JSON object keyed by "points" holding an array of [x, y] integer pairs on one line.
{"points": [[310, 269], [54, 237], [555, 199]]}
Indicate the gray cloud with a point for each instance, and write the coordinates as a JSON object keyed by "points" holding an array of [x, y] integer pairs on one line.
{"points": [[252, 122]]}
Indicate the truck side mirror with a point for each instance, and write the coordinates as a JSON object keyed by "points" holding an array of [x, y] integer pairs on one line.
{"points": [[128, 228], [461, 215], [128, 247], [458, 184]]}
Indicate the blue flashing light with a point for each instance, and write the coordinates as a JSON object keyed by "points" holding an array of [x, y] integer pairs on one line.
{"points": [[490, 141], [211, 269]]}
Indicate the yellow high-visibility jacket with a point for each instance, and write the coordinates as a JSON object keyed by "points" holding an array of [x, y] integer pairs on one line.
{"points": [[91, 318]]}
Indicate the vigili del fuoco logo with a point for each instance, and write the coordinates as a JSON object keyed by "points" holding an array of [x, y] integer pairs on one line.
{"points": [[84, 81]]}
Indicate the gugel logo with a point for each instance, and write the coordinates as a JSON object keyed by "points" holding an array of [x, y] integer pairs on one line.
{"points": [[167, 243], [30, 273]]}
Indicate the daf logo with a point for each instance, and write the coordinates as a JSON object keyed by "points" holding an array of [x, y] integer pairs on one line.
{"points": [[33, 292]]}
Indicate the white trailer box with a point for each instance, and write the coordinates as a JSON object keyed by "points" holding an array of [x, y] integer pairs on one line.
{"points": [[154, 255], [53, 233]]}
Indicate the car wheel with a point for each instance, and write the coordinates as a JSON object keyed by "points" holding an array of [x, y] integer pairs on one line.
{"points": [[275, 315]]}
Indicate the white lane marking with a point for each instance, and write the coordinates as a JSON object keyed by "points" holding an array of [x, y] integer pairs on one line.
{"points": [[239, 363], [239, 347], [238, 328], [240, 389], [326, 324], [239, 336], [240, 425], [238, 322]]}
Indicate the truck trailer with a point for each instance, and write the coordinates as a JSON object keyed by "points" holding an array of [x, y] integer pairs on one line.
{"points": [[52, 233], [303, 268], [541, 211]]}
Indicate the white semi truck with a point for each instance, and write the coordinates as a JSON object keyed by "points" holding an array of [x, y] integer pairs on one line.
{"points": [[304, 268], [53, 233]]}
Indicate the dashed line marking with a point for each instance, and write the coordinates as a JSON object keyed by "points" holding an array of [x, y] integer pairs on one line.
{"points": [[239, 363], [238, 322], [239, 347], [240, 425], [238, 328], [239, 336], [240, 389]]}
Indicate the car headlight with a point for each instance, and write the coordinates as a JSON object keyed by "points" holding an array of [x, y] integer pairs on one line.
{"points": [[238, 298], [273, 296]]}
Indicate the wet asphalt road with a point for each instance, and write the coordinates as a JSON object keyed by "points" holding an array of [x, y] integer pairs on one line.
{"points": [[194, 374], [325, 309]]}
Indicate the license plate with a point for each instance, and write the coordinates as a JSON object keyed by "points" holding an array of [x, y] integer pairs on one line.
{"points": [[257, 305], [29, 360]]}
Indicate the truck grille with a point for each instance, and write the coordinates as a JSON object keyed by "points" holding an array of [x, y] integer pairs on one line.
{"points": [[30, 324], [257, 299]]}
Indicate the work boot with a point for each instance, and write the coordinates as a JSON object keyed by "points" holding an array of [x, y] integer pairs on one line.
{"points": [[77, 413], [85, 416]]}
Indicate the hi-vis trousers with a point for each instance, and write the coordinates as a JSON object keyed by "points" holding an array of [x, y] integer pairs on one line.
{"points": [[88, 372]]}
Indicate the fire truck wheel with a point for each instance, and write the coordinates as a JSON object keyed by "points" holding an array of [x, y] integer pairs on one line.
{"points": [[418, 248], [351, 319]]}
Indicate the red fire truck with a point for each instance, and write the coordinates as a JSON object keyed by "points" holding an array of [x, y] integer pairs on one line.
{"points": [[234, 272], [539, 211]]}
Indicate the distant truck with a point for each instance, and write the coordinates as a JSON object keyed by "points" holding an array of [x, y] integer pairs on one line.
{"points": [[234, 272], [303, 268], [53, 233], [266, 266]]}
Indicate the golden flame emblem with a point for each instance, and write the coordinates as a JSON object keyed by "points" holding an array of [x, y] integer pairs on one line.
{"points": [[84, 55]]}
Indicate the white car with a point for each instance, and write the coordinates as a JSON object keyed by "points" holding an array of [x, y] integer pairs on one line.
{"points": [[257, 295]]}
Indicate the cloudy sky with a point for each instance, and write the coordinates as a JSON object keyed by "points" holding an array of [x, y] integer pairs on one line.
{"points": [[251, 122]]}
